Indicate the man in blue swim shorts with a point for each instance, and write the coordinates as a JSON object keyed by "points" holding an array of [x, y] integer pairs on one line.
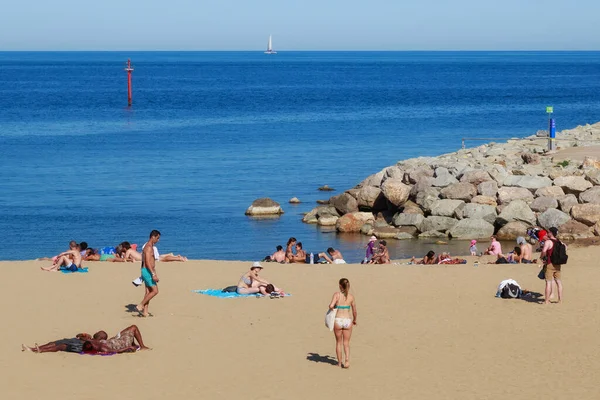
{"points": [[149, 276]]}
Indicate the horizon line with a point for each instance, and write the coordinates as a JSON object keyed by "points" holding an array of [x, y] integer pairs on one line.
{"points": [[304, 51]]}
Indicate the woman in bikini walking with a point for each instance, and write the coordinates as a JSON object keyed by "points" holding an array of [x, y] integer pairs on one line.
{"points": [[344, 321]]}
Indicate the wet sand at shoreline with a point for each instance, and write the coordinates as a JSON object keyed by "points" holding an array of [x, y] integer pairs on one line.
{"points": [[423, 333]]}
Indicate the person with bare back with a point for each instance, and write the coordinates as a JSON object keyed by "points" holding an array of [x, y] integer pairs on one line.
{"points": [[343, 301], [68, 260], [149, 275]]}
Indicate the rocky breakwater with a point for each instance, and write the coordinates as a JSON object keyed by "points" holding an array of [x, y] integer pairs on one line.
{"points": [[473, 193]]}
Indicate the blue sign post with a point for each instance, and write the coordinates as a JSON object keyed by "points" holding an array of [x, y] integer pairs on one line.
{"points": [[551, 129]]}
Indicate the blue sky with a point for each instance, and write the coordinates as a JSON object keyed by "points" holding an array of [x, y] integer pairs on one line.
{"points": [[299, 25]]}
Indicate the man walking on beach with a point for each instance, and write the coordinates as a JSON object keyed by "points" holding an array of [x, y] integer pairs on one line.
{"points": [[149, 275], [552, 271]]}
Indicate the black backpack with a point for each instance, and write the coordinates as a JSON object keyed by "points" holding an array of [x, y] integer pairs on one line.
{"points": [[510, 291], [559, 253]]}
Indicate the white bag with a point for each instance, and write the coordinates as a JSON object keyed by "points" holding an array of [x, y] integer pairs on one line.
{"points": [[330, 318]]}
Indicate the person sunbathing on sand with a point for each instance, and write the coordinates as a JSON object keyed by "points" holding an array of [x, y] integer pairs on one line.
{"points": [[336, 256], [251, 283], [299, 257], [71, 345], [279, 255], [123, 342], [70, 259], [428, 259]]}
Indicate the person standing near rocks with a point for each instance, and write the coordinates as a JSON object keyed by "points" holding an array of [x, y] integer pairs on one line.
{"points": [[552, 271], [149, 275]]}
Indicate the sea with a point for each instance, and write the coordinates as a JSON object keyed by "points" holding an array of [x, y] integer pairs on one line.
{"points": [[209, 132]]}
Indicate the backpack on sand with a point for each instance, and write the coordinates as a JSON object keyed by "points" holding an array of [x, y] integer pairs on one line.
{"points": [[510, 291], [559, 253]]}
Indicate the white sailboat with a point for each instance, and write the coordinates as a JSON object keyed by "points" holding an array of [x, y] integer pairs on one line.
{"points": [[270, 47]]}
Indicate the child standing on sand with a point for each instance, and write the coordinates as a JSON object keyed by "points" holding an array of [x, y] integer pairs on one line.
{"points": [[473, 248], [370, 250]]}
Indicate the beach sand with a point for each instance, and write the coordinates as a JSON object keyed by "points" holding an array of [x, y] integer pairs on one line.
{"points": [[434, 332]]}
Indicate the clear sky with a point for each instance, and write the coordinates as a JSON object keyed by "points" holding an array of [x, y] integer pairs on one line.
{"points": [[300, 24]]}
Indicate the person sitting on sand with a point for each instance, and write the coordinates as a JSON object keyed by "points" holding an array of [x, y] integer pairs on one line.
{"points": [[526, 250], [90, 254], [382, 256], [123, 342], [336, 256], [251, 283], [68, 260], [345, 319], [495, 247], [71, 345], [428, 259], [289, 249], [278, 256], [300, 256], [514, 257]]}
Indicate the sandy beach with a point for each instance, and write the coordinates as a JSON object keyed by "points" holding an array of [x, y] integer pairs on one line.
{"points": [[423, 333]]}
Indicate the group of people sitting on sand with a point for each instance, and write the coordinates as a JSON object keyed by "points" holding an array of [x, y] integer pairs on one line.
{"points": [[72, 259], [521, 254], [444, 258], [295, 253], [99, 343], [376, 252]]}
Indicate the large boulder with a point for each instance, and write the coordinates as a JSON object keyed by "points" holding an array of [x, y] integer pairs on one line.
{"points": [[498, 173], [552, 217], [517, 210], [484, 200], [432, 234], [531, 158], [395, 191], [593, 175], [459, 191], [591, 195], [471, 228], [528, 181], [264, 206], [344, 203], [550, 191], [573, 230], [311, 216], [373, 180], [443, 177], [512, 230], [587, 214], [370, 198], [421, 185], [489, 189], [402, 219], [411, 208], [446, 207], [352, 222], [475, 177], [541, 204], [416, 174], [573, 184], [567, 202], [435, 223], [509, 194], [386, 232], [394, 172], [427, 197], [478, 211], [327, 220]]}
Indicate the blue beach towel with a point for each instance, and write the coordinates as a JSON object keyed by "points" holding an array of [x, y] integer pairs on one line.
{"points": [[226, 295], [68, 271]]}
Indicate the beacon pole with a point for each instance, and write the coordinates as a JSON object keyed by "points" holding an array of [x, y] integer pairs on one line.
{"points": [[551, 129], [129, 70]]}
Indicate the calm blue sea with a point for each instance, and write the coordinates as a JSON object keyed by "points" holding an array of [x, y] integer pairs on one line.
{"points": [[209, 132]]}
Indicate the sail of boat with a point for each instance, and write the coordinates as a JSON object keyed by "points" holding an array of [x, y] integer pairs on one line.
{"points": [[270, 47]]}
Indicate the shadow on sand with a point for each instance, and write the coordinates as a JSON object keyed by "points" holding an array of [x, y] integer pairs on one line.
{"points": [[314, 357], [532, 297]]}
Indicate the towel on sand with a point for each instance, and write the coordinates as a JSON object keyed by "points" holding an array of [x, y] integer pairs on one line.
{"points": [[227, 295], [67, 271]]}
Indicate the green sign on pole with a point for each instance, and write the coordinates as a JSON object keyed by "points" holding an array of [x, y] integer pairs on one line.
{"points": [[549, 109]]}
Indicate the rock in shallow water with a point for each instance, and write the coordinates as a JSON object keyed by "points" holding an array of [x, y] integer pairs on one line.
{"points": [[264, 206]]}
